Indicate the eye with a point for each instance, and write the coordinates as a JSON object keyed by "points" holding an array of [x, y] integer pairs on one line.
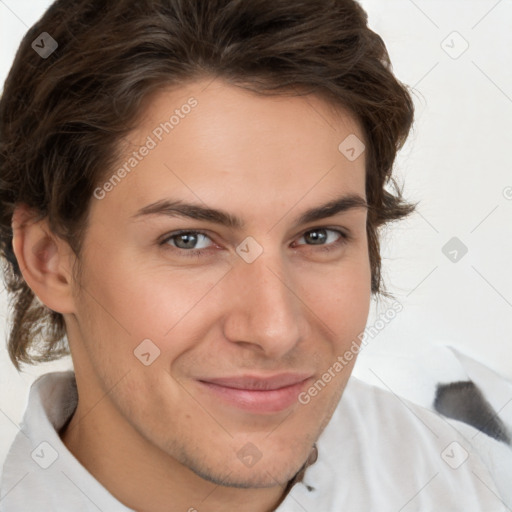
{"points": [[190, 241], [324, 237], [196, 243]]}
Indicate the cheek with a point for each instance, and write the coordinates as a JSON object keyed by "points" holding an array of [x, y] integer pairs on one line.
{"points": [[144, 299], [340, 297]]}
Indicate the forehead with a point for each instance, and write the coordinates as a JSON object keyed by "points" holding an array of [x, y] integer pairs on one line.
{"points": [[220, 144]]}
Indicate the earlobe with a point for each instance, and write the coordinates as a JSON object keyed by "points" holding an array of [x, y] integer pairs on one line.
{"points": [[43, 259]]}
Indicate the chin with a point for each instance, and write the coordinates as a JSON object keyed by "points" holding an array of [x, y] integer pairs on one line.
{"points": [[252, 478], [232, 472]]}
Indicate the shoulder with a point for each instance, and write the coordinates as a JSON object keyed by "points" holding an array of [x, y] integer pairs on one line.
{"points": [[382, 452], [40, 473]]}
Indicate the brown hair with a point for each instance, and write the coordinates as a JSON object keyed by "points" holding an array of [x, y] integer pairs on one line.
{"points": [[62, 118]]}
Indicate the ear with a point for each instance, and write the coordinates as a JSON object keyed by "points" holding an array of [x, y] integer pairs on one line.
{"points": [[44, 259]]}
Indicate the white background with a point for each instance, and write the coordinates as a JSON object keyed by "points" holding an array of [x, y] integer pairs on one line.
{"points": [[457, 163]]}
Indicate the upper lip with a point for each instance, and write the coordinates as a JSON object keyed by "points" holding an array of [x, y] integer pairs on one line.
{"points": [[251, 382]]}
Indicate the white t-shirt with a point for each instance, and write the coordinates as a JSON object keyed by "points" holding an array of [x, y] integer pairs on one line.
{"points": [[378, 453]]}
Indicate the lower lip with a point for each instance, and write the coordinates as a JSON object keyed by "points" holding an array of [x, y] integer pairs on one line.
{"points": [[257, 401]]}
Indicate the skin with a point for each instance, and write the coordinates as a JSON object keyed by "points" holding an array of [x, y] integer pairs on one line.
{"points": [[152, 435]]}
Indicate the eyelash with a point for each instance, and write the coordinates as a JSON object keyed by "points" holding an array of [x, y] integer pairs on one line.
{"points": [[344, 239]]}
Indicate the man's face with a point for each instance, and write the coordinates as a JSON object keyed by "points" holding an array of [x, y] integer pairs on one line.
{"points": [[244, 318]]}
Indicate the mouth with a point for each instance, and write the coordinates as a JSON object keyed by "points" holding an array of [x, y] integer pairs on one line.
{"points": [[260, 395]]}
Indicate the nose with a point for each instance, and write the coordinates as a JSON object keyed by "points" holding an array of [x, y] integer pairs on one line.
{"points": [[266, 312]]}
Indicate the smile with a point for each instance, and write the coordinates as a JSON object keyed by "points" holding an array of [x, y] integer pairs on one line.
{"points": [[258, 395]]}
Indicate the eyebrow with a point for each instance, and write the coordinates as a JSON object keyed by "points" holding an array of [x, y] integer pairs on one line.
{"points": [[177, 208]]}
